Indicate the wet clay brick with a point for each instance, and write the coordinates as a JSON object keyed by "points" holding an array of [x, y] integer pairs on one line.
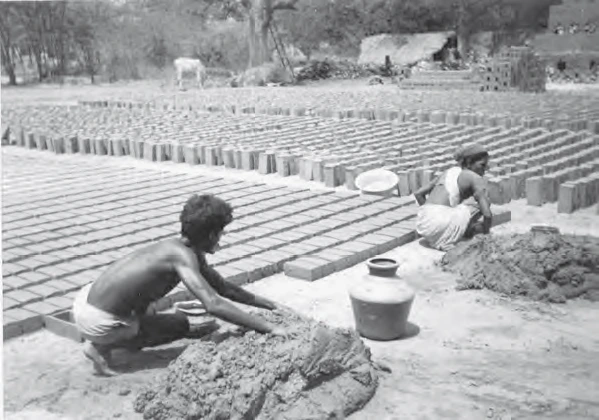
{"points": [[27, 321], [307, 268]]}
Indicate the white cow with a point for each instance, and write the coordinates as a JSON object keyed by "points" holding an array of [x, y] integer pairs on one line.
{"points": [[189, 65]]}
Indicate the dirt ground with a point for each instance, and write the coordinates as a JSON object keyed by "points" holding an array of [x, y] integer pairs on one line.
{"points": [[471, 354]]}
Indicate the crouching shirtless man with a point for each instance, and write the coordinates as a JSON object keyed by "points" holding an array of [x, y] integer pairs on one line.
{"points": [[112, 313]]}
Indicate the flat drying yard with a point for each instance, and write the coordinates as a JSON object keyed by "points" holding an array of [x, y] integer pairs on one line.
{"points": [[93, 173]]}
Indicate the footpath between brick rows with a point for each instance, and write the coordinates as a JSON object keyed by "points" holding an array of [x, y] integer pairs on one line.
{"points": [[65, 218]]}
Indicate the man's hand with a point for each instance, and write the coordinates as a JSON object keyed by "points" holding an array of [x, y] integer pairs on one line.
{"points": [[280, 332], [281, 309]]}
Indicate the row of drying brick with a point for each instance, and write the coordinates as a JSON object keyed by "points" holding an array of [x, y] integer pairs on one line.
{"points": [[393, 144], [381, 141], [572, 188], [376, 147], [529, 114], [314, 222], [335, 174], [24, 308]]}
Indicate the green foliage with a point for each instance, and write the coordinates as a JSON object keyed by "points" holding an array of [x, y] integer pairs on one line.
{"points": [[133, 38]]}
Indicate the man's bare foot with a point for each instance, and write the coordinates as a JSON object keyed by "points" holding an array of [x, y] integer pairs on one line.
{"points": [[99, 359]]}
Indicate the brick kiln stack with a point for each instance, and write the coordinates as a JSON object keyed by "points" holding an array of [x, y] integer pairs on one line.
{"points": [[517, 68]]}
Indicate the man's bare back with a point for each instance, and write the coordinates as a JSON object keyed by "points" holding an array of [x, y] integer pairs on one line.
{"points": [[146, 275], [111, 312]]}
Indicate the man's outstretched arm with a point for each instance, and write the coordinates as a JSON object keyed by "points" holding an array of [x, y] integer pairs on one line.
{"points": [[189, 271], [232, 291]]}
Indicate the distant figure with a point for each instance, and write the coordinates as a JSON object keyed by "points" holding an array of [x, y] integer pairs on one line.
{"points": [[559, 29], [190, 65], [561, 65], [452, 203]]}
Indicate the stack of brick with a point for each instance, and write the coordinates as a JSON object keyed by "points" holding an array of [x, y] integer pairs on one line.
{"points": [[581, 193], [495, 76]]}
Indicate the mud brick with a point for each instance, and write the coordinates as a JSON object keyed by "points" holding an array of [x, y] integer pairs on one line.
{"points": [[283, 165], [80, 279], [403, 234], [383, 243], [495, 191], [361, 250], [28, 321], [342, 234], [252, 268], [339, 260], [248, 162], [307, 268], [233, 275], [297, 250], [53, 271], [42, 308], [9, 269], [331, 223], [266, 163], [567, 198], [99, 147], [190, 154], [320, 242], [240, 251], [63, 286], [34, 277], [61, 302], [258, 231], [377, 222], [517, 184], [310, 230], [8, 302], [267, 243], [289, 237], [23, 296], [11, 328], [44, 290], [266, 268], [348, 217], [276, 257], [333, 175], [534, 191]]}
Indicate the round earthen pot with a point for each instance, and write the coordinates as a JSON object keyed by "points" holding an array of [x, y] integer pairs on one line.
{"points": [[381, 301]]}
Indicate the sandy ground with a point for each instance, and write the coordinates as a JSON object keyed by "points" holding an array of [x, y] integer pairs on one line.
{"points": [[471, 354]]}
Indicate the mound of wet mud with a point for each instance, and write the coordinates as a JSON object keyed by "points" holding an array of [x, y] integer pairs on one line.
{"points": [[542, 266], [315, 373]]}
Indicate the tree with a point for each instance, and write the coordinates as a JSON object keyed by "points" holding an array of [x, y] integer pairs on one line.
{"points": [[12, 35], [260, 15]]}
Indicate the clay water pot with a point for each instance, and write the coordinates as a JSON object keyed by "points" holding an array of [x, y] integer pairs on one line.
{"points": [[381, 301]]}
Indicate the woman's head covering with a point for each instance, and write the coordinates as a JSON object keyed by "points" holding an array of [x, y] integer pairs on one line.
{"points": [[468, 151]]}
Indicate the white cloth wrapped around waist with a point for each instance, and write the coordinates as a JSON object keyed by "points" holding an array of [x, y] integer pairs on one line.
{"points": [[443, 226], [100, 326]]}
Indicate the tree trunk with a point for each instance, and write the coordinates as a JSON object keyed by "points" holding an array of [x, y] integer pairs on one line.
{"points": [[260, 16], [9, 67]]}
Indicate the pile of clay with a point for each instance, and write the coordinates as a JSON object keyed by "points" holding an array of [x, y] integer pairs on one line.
{"points": [[542, 266], [315, 373]]}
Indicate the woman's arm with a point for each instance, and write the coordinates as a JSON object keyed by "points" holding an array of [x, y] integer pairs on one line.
{"points": [[425, 190]]}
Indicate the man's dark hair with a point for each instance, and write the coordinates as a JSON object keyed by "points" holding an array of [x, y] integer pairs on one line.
{"points": [[204, 214], [469, 160]]}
